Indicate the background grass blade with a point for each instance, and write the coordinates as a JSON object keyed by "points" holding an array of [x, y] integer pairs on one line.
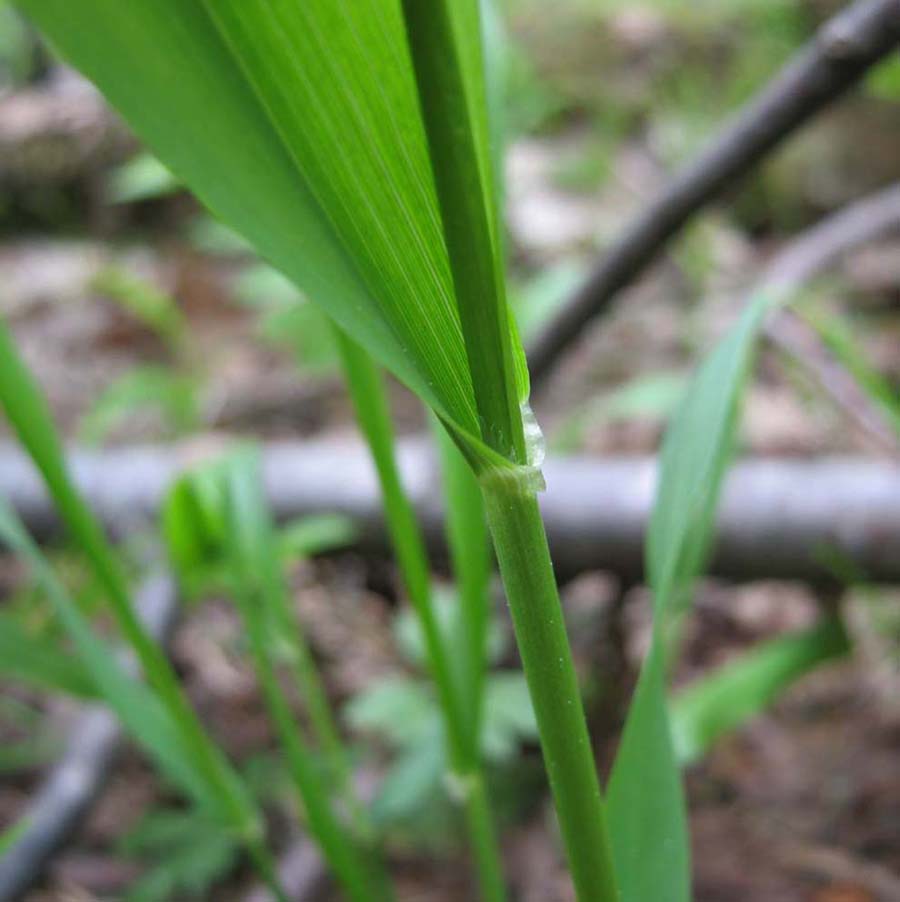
{"points": [[11, 835], [718, 703], [647, 812], [40, 661], [370, 403], [260, 594], [467, 538], [136, 706], [30, 417], [218, 513]]}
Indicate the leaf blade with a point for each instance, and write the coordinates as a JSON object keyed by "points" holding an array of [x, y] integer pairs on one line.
{"points": [[647, 809]]}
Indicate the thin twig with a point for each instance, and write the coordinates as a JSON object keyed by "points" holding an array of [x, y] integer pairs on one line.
{"points": [[840, 54]]}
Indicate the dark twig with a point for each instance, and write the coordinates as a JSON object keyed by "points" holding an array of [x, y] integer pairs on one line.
{"points": [[67, 793], [843, 50], [777, 520]]}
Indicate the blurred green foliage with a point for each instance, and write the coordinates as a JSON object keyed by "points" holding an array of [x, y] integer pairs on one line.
{"points": [[184, 853]]}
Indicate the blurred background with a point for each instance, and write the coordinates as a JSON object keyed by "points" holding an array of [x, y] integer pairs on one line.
{"points": [[146, 321]]}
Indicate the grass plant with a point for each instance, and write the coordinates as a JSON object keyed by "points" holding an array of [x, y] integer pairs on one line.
{"points": [[350, 145]]}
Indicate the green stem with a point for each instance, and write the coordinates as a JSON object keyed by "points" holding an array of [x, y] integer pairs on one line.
{"points": [[32, 421], [483, 836], [471, 554], [521, 544], [267, 869], [324, 726], [262, 599], [370, 402], [339, 850]]}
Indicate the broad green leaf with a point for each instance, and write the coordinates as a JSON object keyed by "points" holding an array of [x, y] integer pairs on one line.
{"points": [[40, 661], [646, 806], [299, 125], [720, 702]]}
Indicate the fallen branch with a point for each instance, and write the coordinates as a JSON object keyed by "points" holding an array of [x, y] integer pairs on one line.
{"points": [[840, 54], [778, 518], [69, 790]]}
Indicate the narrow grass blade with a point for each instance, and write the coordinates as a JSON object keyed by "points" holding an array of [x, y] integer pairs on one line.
{"points": [[252, 544], [316, 534], [145, 302], [228, 517], [30, 417], [470, 550], [39, 661], [370, 402], [367, 391], [173, 395], [135, 705], [720, 702], [645, 800], [696, 451], [467, 538], [141, 178], [646, 805]]}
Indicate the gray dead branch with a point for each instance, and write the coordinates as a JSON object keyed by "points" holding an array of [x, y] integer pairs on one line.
{"points": [[779, 518]]}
